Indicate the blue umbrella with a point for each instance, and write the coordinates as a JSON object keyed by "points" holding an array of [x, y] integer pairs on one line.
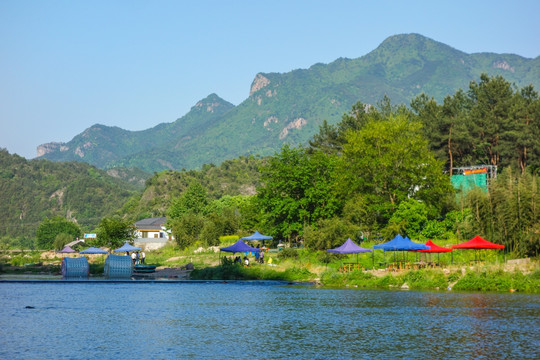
{"points": [[401, 244], [93, 250], [239, 247], [257, 236], [127, 247]]}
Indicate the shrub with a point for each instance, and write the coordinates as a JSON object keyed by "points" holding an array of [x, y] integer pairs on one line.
{"points": [[288, 254]]}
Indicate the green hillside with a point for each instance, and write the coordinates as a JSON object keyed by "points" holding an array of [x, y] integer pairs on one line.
{"points": [[31, 190], [289, 108], [233, 177]]}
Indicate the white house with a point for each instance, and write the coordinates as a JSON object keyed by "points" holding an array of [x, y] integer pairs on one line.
{"points": [[151, 233]]}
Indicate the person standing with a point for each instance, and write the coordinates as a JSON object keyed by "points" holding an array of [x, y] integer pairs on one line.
{"points": [[261, 258], [143, 257], [133, 257]]}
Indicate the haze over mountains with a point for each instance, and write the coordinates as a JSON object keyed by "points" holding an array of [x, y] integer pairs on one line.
{"points": [[288, 108]]}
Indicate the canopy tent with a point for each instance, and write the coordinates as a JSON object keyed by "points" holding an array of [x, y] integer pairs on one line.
{"points": [[349, 247], [401, 244], [93, 250], [127, 247], [257, 236], [477, 243], [66, 250], [239, 246], [434, 248]]}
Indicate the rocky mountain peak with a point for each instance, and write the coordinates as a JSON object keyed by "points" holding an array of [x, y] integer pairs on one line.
{"points": [[259, 82]]}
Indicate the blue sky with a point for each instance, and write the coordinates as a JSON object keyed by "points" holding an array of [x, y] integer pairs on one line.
{"points": [[66, 65]]}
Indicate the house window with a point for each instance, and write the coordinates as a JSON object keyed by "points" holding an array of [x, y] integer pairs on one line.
{"points": [[155, 235], [145, 234]]}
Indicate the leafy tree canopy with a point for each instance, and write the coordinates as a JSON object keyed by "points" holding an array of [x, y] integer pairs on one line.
{"points": [[193, 200], [50, 228], [390, 160], [113, 232], [297, 190]]}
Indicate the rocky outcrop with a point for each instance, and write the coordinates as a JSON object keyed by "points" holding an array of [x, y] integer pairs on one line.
{"points": [[259, 82], [209, 107], [503, 65], [297, 123], [51, 147], [271, 119]]}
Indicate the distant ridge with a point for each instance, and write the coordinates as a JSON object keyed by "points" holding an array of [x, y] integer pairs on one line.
{"points": [[288, 108]]}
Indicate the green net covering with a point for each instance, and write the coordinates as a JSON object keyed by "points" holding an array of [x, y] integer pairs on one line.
{"points": [[466, 182]]}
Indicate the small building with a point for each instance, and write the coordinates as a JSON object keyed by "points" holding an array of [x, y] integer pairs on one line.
{"points": [[151, 233]]}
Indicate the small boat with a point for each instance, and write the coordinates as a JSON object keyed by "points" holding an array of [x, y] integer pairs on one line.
{"points": [[140, 268]]}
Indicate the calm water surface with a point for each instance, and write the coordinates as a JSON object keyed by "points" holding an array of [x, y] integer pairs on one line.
{"points": [[260, 321]]}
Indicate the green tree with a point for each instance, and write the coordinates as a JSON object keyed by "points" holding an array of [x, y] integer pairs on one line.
{"points": [[509, 212], [390, 160], [113, 232], [526, 135], [61, 240], [49, 228], [330, 233], [445, 126], [455, 225], [408, 220], [297, 190], [194, 200], [492, 100], [187, 229]]}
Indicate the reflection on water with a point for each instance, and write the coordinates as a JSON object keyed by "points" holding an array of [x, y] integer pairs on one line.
{"points": [[182, 320]]}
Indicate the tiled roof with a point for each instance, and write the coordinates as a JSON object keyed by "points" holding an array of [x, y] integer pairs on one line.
{"points": [[151, 223]]}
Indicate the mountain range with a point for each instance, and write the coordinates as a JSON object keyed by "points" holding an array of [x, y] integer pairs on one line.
{"points": [[288, 108]]}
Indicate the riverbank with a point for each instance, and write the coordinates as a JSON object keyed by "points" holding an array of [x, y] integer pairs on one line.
{"points": [[489, 278], [470, 279], [524, 278], [515, 275]]}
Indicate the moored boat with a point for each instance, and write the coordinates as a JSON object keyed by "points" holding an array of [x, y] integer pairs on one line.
{"points": [[141, 268]]}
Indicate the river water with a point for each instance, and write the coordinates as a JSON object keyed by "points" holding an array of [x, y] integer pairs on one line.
{"points": [[101, 320]]}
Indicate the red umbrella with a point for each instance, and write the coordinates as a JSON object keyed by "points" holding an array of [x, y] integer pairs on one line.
{"points": [[434, 248], [477, 243]]}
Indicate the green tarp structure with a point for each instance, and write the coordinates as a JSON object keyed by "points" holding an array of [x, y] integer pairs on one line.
{"points": [[467, 182]]}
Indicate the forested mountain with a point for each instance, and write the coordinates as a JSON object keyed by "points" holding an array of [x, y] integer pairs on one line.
{"points": [[32, 190], [232, 178], [289, 108]]}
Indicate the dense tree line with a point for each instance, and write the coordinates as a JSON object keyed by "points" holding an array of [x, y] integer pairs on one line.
{"points": [[492, 123], [386, 169]]}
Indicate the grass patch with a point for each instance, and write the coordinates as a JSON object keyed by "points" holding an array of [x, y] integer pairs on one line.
{"points": [[228, 270], [499, 280]]}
